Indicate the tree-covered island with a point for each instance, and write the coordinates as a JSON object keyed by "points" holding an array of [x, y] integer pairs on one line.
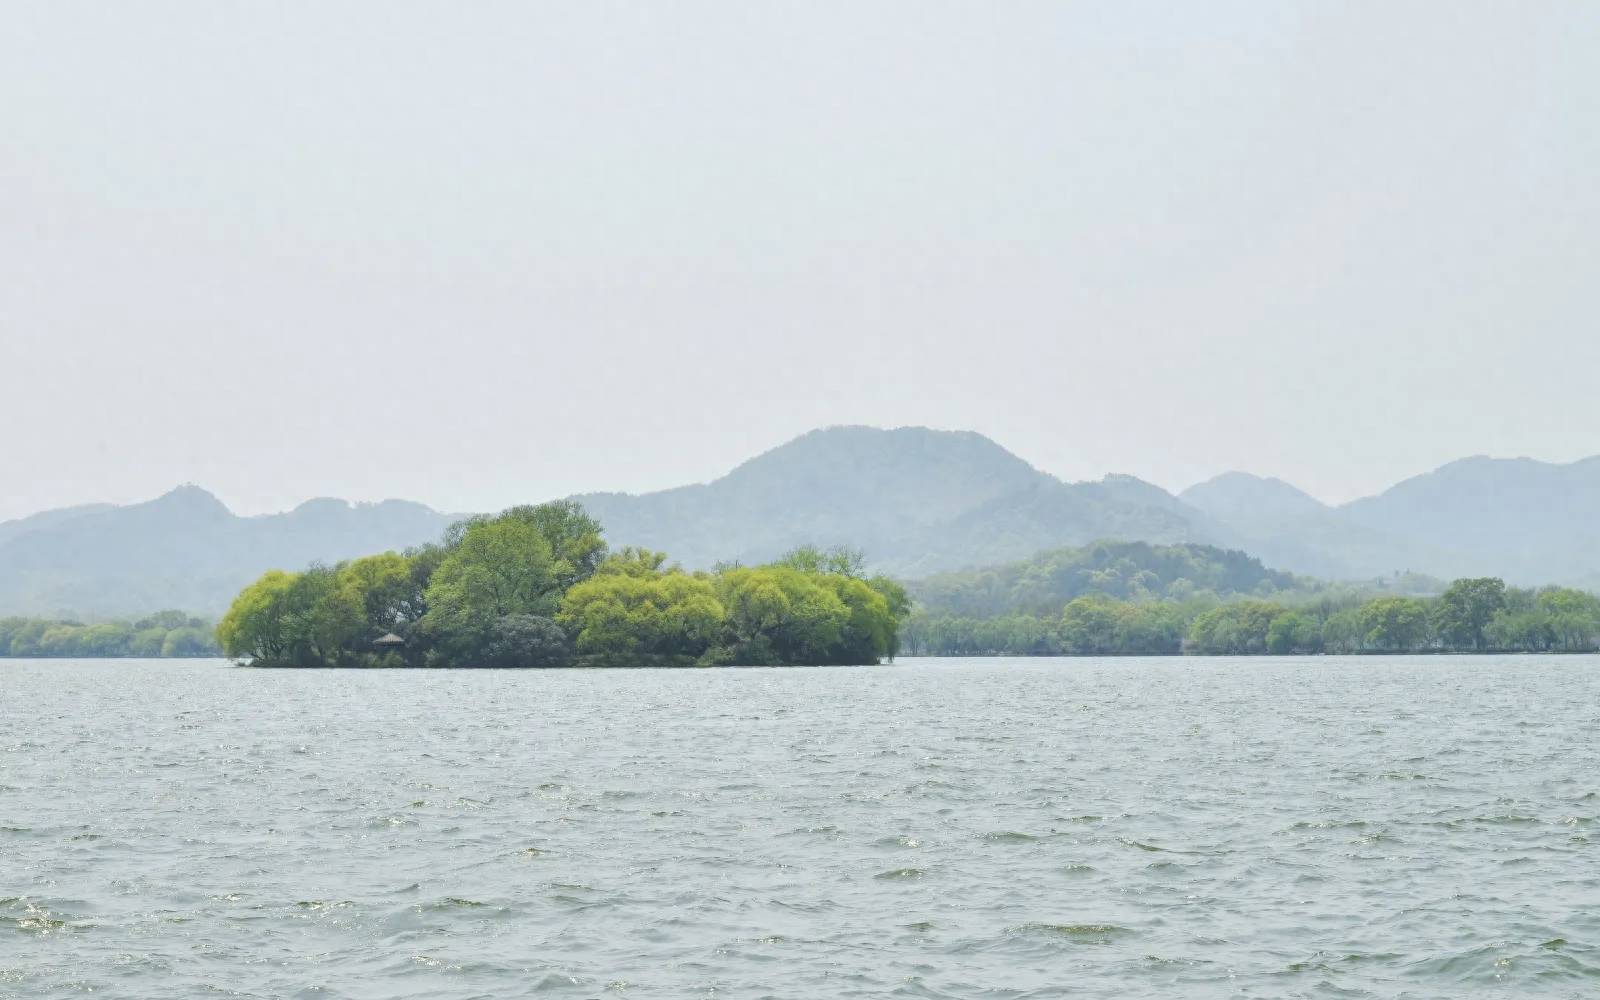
{"points": [[536, 586]]}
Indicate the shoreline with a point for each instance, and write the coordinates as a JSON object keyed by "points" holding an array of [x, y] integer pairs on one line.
{"points": [[898, 661]]}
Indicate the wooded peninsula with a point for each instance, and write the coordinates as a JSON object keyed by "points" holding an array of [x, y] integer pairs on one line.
{"points": [[1134, 598]]}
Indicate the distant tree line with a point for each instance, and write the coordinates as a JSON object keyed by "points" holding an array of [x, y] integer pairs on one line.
{"points": [[1471, 615], [166, 633], [536, 586]]}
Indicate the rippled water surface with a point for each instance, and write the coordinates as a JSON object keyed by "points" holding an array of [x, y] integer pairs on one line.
{"points": [[1121, 828]]}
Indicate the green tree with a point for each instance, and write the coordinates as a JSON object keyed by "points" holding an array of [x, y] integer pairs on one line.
{"points": [[777, 614], [1466, 608], [1526, 628], [25, 639], [1237, 629], [1151, 628], [1089, 624], [189, 641], [894, 595], [1294, 632], [625, 616], [106, 639], [496, 568], [386, 592], [1573, 617], [573, 537], [630, 561], [256, 625], [1344, 632], [147, 642], [62, 639], [526, 641], [840, 560], [318, 623], [1396, 624], [871, 628]]}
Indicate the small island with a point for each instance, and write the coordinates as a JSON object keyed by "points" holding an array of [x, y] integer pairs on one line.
{"points": [[536, 586]]}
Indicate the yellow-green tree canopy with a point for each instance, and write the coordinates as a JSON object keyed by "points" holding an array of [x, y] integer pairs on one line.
{"points": [[534, 586], [625, 613]]}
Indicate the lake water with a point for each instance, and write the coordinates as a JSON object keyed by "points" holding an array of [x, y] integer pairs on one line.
{"points": [[951, 828]]}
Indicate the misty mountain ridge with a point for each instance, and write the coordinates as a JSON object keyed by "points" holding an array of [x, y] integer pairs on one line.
{"points": [[1237, 496], [1518, 517], [916, 501], [186, 549], [1529, 521]]}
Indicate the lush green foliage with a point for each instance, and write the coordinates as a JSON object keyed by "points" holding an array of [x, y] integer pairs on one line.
{"points": [[167, 633], [534, 587], [634, 610], [1471, 615]]}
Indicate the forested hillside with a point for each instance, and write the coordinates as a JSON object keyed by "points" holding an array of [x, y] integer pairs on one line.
{"points": [[1124, 570]]}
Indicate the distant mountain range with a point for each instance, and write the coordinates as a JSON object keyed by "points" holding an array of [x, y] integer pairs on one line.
{"points": [[921, 501], [1530, 522], [184, 550], [917, 501]]}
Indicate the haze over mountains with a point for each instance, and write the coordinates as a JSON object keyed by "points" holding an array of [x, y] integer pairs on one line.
{"points": [[916, 500], [1528, 521], [913, 499], [184, 550]]}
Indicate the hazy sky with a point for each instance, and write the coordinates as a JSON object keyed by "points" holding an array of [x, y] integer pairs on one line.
{"points": [[477, 254]]}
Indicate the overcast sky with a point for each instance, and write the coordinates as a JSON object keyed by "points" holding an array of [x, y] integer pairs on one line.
{"points": [[478, 254]]}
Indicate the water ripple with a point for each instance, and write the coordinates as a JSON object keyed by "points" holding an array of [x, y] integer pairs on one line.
{"points": [[1004, 829]]}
